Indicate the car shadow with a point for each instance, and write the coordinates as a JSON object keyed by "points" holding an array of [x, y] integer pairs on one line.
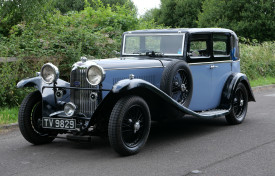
{"points": [[187, 128], [164, 133]]}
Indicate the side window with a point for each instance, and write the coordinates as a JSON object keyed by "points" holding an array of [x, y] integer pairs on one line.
{"points": [[199, 46], [221, 45]]}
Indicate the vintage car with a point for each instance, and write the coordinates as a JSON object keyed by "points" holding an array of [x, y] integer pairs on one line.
{"points": [[160, 74]]}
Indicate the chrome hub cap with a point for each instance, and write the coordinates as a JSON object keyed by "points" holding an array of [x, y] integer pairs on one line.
{"points": [[182, 87], [136, 126], [241, 102]]}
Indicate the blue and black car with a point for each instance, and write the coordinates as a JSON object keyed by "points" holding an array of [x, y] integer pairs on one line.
{"points": [[160, 74]]}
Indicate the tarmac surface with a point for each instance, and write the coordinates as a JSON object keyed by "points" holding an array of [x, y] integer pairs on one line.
{"points": [[190, 146]]}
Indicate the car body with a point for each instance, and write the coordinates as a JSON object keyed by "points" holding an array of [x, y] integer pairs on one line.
{"points": [[160, 74]]}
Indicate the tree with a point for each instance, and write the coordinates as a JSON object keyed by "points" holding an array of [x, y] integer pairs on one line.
{"points": [[254, 19], [13, 12], [76, 5], [177, 13], [151, 14]]}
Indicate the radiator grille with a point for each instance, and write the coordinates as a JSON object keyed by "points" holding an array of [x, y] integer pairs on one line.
{"points": [[81, 98]]}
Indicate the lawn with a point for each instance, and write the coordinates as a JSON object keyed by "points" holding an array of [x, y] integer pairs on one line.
{"points": [[8, 115], [262, 81]]}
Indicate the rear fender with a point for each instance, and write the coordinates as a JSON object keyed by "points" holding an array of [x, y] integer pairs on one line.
{"points": [[231, 84]]}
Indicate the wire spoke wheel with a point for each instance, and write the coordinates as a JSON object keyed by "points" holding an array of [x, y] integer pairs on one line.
{"points": [[239, 105], [177, 82], [129, 125], [132, 126], [36, 119], [180, 87], [30, 120]]}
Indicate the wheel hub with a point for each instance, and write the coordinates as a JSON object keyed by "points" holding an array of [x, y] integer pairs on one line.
{"points": [[182, 87], [241, 102], [136, 126]]}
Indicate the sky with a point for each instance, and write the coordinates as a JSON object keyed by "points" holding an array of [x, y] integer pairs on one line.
{"points": [[144, 5]]}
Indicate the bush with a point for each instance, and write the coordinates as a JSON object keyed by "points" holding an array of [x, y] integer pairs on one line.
{"points": [[62, 39], [12, 72], [258, 60]]}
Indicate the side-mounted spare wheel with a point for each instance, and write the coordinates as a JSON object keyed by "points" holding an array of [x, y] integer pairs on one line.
{"points": [[239, 105], [30, 120], [129, 125], [177, 82]]}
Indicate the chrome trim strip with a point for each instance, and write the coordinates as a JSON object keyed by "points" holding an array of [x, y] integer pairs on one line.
{"points": [[214, 62], [132, 68]]}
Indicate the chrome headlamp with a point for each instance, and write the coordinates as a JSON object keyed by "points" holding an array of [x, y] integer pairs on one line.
{"points": [[95, 75], [49, 73]]}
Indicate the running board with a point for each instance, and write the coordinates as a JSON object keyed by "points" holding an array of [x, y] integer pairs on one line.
{"points": [[128, 84], [213, 113]]}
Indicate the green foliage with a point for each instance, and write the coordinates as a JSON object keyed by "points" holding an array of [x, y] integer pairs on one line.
{"points": [[11, 73], [89, 32], [253, 19], [62, 39], [258, 60], [65, 6], [176, 13], [8, 115], [13, 12]]}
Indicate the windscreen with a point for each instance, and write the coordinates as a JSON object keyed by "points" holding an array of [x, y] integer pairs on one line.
{"points": [[166, 44]]}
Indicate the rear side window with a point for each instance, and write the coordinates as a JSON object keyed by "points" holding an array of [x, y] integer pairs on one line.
{"points": [[221, 45]]}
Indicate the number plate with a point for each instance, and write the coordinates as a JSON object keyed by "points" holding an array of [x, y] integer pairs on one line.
{"points": [[58, 123]]}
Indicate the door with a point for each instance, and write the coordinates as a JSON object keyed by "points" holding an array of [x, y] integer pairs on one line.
{"points": [[199, 54], [222, 64]]}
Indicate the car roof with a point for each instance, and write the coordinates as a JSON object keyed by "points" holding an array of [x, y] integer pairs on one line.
{"points": [[183, 30]]}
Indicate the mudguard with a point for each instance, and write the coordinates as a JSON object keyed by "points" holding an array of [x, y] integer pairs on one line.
{"points": [[38, 83], [231, 84], [50, 103], [31, 82], [145, 88]]}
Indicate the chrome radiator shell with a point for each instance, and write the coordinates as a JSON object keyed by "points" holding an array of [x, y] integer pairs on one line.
{"points": [[81, 98]]}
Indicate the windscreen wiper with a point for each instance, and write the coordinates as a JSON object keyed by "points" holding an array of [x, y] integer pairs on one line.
{"points": [[140, 53], [153, 53]]}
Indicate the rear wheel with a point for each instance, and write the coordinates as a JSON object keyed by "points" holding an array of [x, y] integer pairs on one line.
{"points": [[239, 106], [129, 125], [30, 120]]}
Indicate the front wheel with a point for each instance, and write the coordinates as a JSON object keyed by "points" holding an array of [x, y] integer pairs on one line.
{"points": [[239, 106], [30, 120], [129, 125]]}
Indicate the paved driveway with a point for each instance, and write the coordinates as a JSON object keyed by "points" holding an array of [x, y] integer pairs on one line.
{"points": [[186, 147]]}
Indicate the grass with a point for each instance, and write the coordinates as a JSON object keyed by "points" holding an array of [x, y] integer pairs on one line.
{"points": [[262, 81], [8, 115]]}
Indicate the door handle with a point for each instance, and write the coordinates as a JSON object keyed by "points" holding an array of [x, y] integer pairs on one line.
{"points": [[213, 66]]}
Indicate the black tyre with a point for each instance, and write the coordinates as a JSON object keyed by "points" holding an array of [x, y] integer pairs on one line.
{"points": [[177, 82], [129, 125], [239, 106], [30, 120]]}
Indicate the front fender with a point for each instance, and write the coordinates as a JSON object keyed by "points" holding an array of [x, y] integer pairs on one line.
{"points": [[231, 84], [152, 95], [49, 101], [31, 82]]}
